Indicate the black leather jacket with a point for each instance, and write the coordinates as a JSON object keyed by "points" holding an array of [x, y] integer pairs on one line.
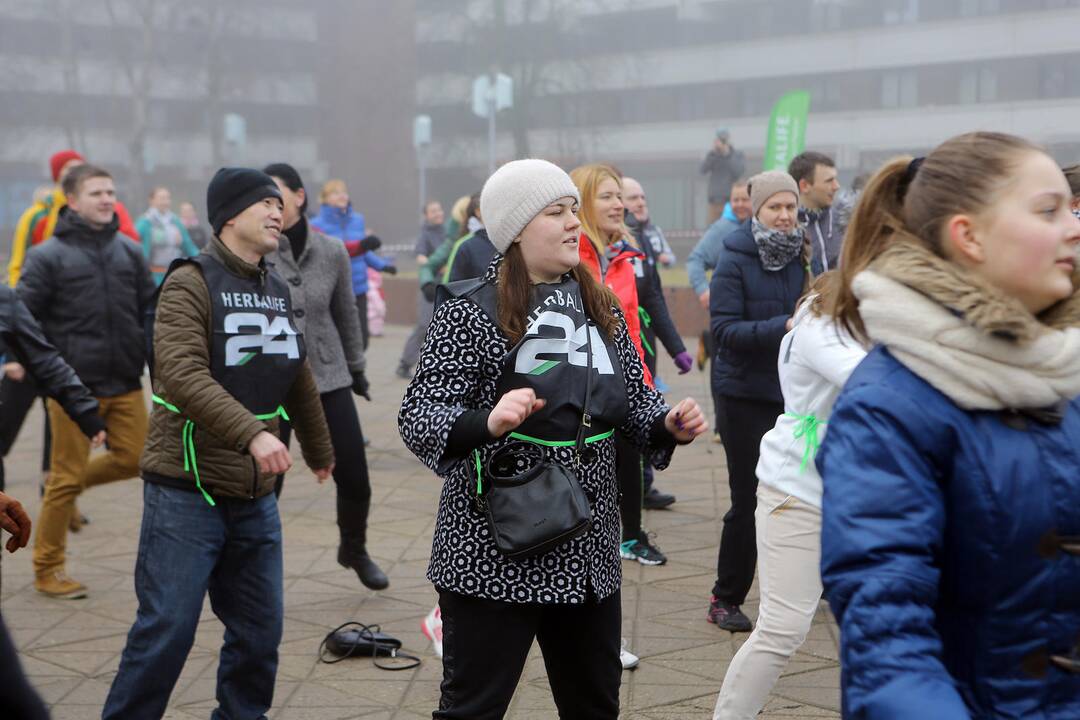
{"points": [[24, 341], [90, 289]]}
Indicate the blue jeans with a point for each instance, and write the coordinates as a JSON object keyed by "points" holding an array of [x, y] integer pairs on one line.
{"points": [[186, 549]]}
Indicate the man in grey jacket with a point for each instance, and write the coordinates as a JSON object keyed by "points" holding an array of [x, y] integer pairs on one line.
{"points": [[816, 175], [724, 165], [317, 270]]}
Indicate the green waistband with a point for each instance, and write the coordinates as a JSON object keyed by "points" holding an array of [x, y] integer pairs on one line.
{"points": [[538, 441], [561, 443], [187, 440]]}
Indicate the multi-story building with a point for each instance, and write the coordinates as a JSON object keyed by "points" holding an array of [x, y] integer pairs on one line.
{"points": [[645, 83], [165, 91]]}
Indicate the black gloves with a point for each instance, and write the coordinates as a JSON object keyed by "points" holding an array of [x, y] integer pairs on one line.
{"points": [[370, 243], [389, 270], [428, 289], [360, 385]]}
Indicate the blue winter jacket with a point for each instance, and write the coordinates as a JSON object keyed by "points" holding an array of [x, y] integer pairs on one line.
{"points": [[748, 309], [346, 225], [945, 552]]}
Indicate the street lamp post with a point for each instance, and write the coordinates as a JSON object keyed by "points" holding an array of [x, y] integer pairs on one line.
{"points": [[421, 141], [492, 93]]}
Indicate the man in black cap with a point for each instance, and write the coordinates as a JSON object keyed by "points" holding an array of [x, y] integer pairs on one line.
{"points": [[227, 364]]}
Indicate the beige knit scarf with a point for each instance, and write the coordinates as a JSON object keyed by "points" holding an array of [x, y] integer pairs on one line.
{"points": [[979, 347]]}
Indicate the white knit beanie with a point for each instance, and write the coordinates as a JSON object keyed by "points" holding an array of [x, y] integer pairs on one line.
{"points": [[516, 193]]}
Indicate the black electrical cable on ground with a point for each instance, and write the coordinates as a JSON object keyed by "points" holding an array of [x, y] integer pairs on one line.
{"points": [[363, 644]]}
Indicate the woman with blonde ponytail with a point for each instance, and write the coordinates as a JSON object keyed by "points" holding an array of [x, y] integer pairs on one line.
{"points": [[950, 548], [608, 253]]}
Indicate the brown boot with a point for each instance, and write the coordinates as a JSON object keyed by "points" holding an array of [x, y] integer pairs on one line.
{"points": [[57, 584]]}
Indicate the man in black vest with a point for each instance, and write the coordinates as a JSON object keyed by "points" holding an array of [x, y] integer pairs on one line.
{"points": [[227, 364]]}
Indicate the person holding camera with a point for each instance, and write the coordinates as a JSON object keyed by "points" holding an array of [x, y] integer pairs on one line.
{"points": [[724, 165], [525, 375]]}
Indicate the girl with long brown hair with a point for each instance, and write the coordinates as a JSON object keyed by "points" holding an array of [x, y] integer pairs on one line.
{"points": [[950, 521], [507, 365]]}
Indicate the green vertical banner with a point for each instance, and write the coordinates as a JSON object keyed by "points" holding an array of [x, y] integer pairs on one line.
{"points": [[787, 129]]}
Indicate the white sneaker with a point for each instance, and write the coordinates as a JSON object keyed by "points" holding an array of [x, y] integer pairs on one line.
{"points": [[431, 626], [628, 659]]}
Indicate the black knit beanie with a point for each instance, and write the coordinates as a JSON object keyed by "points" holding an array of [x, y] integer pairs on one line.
{"points": [[233, 190]]}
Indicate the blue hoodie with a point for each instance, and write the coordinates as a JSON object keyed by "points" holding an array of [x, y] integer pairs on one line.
{"points": [[347, 225]]}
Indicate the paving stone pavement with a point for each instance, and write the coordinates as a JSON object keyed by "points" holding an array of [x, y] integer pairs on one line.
{"points": [[70, 649]]}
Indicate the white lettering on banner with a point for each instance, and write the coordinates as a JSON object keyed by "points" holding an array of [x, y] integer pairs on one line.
{"points": [[783, 138], [268, 339], [571, 344]]}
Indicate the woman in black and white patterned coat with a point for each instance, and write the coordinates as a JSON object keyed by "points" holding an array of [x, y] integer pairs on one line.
{"points": [[516, 371]]}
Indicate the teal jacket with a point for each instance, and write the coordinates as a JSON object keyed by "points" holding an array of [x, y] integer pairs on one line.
{"points": [[158, 250]]}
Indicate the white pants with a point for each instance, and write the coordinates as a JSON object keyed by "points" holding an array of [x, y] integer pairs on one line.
{"points": [[789, 577]]}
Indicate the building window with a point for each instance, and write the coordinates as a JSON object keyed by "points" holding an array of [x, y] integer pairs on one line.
{"points": [[899, 89], [900, 12], [978, 85], [1053, 79], [975, 8], [828, 15]]}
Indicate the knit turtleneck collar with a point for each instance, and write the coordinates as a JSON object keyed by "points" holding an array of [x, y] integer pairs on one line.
{"points": [[297, 237]]}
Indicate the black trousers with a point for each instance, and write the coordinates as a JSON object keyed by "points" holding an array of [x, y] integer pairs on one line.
{"points": [[746, 421], [16, 399], [486, 643], [647, 472], [631, 491], [361, 310], [350, 461], [17, 697]]}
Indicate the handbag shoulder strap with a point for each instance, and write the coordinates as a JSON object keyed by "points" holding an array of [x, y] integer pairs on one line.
{"points": [[586, 418]]}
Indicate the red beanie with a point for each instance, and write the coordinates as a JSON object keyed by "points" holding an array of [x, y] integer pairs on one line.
{"points": [[60, 159]]}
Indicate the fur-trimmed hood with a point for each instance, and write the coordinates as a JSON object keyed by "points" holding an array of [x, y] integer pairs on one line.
{"points": [[983, 349], [966, 294]]}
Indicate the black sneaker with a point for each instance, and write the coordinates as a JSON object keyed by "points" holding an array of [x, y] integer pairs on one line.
{"points": [[642, 550], [727, 617], [403, 371], [656, 500]]}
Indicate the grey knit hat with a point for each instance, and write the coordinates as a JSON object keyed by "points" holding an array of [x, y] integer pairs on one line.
{"points": [[516, 193], [764, 185]]}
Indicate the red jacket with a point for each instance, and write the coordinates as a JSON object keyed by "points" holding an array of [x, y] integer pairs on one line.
{"points": [[621, 280]]}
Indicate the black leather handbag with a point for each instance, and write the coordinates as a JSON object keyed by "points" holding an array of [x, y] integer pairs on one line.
{"points": [[532, 503]]}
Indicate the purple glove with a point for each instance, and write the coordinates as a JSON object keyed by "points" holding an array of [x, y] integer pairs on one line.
{"points": [[684, 362]]}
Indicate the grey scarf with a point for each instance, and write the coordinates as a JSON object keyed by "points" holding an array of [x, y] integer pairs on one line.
{"points": [[777, 248]]}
